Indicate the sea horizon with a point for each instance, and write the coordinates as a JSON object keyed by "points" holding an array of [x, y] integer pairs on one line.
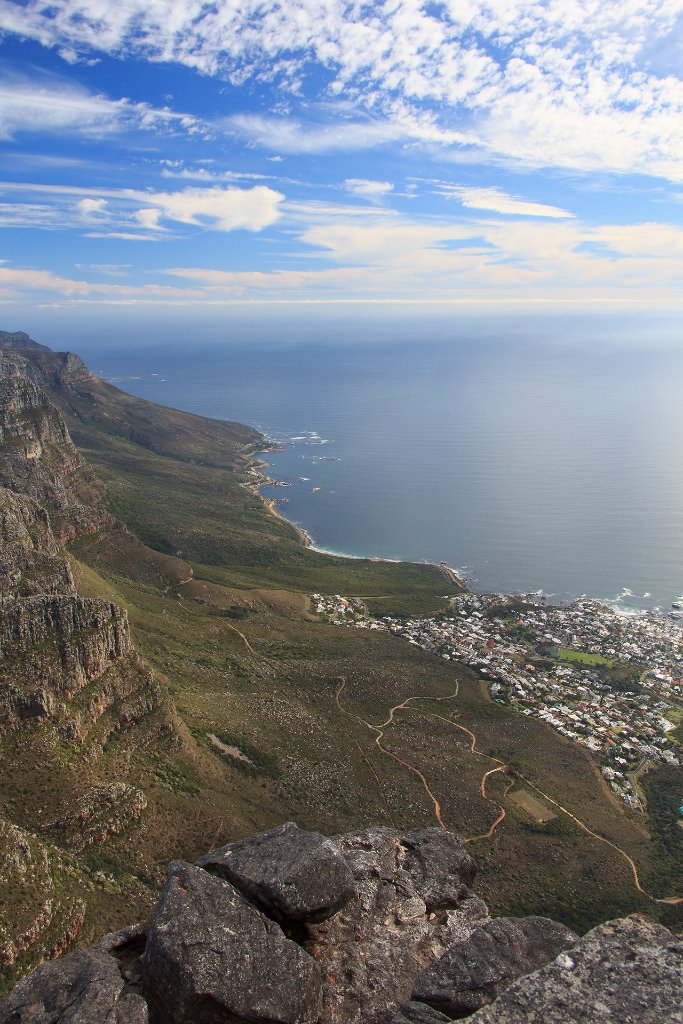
{"points": [[526, 464]]}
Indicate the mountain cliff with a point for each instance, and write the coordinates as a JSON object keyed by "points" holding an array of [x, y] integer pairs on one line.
{"points": [[70, 678], [39, 460], [20, 340]]}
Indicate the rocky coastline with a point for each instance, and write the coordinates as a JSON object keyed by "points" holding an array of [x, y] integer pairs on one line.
{"points": [[261, 479]]}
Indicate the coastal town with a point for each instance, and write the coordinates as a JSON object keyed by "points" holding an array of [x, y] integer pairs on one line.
{"points": [[609, 681]]}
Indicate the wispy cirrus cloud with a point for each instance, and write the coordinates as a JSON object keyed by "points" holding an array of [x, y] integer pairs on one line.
{"points": [[497, 201], [403, 259], [210, 175], [380, 255], [50, 104], [33, 106], [119, 213], [123, 236], [365, 188], [575, 84], [285, 135]]}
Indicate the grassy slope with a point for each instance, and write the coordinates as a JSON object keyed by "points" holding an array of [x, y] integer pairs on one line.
{"points": [[271, 690]]}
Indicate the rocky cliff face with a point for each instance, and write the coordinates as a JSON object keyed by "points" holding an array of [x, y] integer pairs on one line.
{"points": [[39, 460], [379, 927], [69, 677], [51, 648], [24, 526], [27, 550], [53, 643]]}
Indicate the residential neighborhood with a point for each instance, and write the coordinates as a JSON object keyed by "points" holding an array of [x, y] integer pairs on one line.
{"points": [[610, 681]]}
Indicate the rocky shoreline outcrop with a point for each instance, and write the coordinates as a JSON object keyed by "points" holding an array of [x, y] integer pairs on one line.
{"points": [[374, 927]]}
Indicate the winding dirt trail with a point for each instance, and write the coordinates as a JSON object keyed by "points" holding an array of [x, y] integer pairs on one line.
{"points": [[379, 733], [501, 766], [670, 900], [246, 642], [380, 729], [501, 810], [240, 634]]}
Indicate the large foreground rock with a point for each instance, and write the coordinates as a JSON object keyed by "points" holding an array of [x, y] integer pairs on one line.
{"points": [[90, 986], [413, 926], [211, 958], [292, 875], [412, 902], [624, 972], [471, 974]]}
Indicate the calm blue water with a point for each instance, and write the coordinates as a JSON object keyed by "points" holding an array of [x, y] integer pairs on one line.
{"points": [[533, 465]]}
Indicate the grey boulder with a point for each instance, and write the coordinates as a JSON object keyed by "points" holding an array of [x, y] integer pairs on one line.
{"points": [[628, 971], [438, 866], [473, 973], [412, 902], [211, 958], [85, 987], [292, 875]]}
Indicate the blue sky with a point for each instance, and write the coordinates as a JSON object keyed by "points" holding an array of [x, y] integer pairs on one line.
{"points": [[501, 154]]}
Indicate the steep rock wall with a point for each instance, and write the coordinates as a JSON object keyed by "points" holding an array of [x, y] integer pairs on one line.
{"points": [[70, 680], [39, 460], [52, 647]]}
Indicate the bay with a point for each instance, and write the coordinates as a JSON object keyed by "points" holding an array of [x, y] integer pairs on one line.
{"points": [[529, 466]]}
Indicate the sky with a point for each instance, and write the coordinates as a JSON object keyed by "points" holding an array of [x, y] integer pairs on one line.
{"points": [[179, 154]]}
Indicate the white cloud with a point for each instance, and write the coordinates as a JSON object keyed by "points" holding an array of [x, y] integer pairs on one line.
{"points": [[20, 280], [149, 218], [27, 106], [521, 262], [71, 56], [109, 269], [51, 104], [225, 209], [382, 256], [177, 169], [28, 279], [218, 208], [497, 201], [364, 188], [90, 208], [288, 136], [581, 84], [123, 236]]}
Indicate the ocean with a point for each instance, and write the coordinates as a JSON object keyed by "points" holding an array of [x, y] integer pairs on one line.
{"points": [[529, 462]]}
